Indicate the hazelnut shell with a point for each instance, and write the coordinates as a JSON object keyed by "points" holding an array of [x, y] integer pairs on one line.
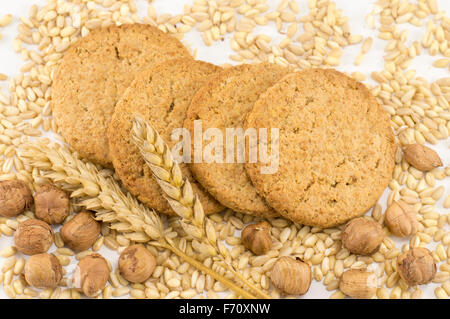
{"points": [[15, 197], [81, 232], [43, 271], [33, 236], [51, 204], [416, 266], [362, 236], [136, 263], [358, 283], [401, 219], [91, 274], [256, 237], [421, 157], [292, 276]]}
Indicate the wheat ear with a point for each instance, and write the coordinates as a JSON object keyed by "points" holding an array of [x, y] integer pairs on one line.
{"points": [[96, 191], [101, 193], [178, 192]]}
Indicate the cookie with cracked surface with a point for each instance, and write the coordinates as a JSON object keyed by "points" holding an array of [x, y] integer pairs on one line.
{"points": [[336, 147], [223, 103], [94, 73], [161, 95]]}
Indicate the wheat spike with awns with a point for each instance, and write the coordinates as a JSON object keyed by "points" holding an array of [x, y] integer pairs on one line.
{"points": [[101, 193], [178, 192]]}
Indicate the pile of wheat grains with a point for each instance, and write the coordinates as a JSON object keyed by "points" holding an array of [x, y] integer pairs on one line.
{"points": [[419, 113]]}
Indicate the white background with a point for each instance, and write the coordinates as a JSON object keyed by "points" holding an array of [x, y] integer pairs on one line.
{"points": [[10, 63]]}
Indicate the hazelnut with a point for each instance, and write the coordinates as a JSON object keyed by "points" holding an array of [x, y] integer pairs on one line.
{"points": [[51, 204], [362, 236], [15, 197], [358, 283], [416, 266], [91, 274], [33, 237], [421, 157], [256, 237], [81, 232], [43, 271], [401, 219], [292, 276], [136, 263]]}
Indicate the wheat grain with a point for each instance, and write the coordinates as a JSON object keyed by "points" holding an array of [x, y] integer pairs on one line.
{"points": [[441, 63], [5, 20], [440, 293], [19, 266], [122, 291], [8, 264], [65, 251], [8, 251]]}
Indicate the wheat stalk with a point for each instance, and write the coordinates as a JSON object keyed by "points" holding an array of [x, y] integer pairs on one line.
{"points": [[178, 192], [102, 194]]}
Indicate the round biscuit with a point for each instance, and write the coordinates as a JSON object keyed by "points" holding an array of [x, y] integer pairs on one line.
{"points": [[336, 147], [94, 73]]}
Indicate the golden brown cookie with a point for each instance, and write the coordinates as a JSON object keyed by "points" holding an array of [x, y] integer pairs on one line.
{"points": [[161, 95], [336, 147], [223, 103], [93, 75]]}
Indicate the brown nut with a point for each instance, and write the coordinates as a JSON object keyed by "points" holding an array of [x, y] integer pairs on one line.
{"points": [[416, 266], [136, 263], [362, 236], [81, 232], [401, 219], [358, 283], [15, 197], [91, 274], [51, 204], [292, 276], [256, 237], [33, 237], [43, 271], [421, 157]]}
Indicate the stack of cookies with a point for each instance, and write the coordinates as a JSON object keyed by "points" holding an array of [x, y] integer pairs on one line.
{"points": [[336, 146]]}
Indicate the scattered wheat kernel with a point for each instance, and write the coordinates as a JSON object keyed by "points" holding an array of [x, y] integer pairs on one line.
{"points": [[8, 263], [65, 251], [19, 266], [441, 63], [9, 291], [30, 292], [355, 39], [5, 20], [8, 251], [338, 295], [119, 292], [433, 6], [440, 293], [359, 59], [367, 45], [447, 202], [446, 287]]}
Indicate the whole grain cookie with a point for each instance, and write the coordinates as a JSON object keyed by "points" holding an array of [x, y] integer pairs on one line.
{"points": [[223, 103], [93, 75], [161, 95], [336, 147]]}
